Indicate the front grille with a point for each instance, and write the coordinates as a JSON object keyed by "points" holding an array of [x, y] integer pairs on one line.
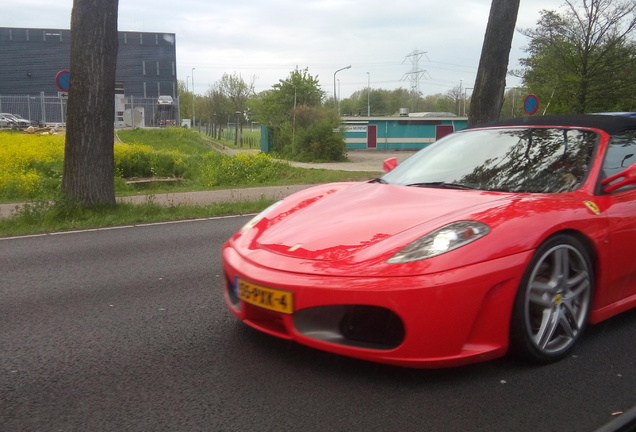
{"points": [[363, 326], [372, 324]]}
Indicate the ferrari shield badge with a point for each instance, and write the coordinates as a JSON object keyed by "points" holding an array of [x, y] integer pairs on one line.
{"points": [[592, 206]]}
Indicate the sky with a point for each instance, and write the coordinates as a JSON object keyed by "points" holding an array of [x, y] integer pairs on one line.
{"points": [[383, 41]]}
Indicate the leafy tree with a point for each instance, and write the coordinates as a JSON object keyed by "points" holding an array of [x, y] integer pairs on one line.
{"points": [[351, 106], [307, 88], [274, 106], [388, 102], [222, 102], [436, 102], [456, 96], [236, 90], [300, 127], [513, 103], [89, 165], [356, 104], [380, 101], [493, 64], [217, 109], [267, 108], [186, 99], [403, 98], [584, 59], [383, 102], [444, 103]]}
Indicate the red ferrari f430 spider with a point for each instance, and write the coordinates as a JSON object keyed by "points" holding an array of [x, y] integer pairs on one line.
{"points": [[507, 237]]}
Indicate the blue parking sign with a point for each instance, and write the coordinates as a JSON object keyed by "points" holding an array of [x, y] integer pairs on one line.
{"points": [[531, 104], [63, 80]]}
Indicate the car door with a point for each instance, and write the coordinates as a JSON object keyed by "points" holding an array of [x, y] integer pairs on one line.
{"points": [[621, 213]]}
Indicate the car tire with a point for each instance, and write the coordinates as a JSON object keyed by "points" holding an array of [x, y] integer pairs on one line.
{"points": [[552, 304]]}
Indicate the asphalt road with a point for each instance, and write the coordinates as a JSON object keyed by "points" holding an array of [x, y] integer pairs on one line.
{"points": [[126, 330]]}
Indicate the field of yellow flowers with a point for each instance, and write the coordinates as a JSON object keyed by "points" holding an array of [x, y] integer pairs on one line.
{"points": [[31, 166]]}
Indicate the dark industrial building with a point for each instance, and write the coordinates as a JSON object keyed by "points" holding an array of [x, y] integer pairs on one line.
{"points": [[33, 58]]}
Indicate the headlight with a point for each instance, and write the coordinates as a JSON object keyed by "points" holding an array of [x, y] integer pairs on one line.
{"points": [[445, 239], [256, 219]]}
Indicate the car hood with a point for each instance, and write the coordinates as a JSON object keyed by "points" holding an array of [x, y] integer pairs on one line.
{"points": [[335, 222]]}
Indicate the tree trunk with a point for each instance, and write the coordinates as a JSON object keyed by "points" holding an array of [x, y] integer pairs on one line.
{"points": [[89, 151], [490, 83]]}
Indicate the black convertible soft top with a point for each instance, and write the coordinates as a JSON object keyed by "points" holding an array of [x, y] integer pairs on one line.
{"points": [[610, 123]]}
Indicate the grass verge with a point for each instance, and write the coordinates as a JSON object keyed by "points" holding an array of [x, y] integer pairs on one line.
{"points": [[31, 171], [42, 217]]}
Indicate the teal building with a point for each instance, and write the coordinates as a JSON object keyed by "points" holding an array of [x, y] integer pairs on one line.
{"points": [[405, 132]]}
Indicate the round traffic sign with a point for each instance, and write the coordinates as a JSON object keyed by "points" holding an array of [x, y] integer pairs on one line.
{"points": [[531, 104], [63, 80]]}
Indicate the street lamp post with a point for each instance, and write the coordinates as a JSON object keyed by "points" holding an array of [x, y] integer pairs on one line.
{"points": [[335, 96], [465, 97], [193, 98], [459, 108], [236, 129], [294, 112], [368, 94]]}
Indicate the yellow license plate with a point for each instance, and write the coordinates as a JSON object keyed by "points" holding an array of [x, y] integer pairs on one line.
{"points": [[268, 298]]}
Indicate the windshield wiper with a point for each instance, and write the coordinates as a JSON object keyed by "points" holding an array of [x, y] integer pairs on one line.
{"points": [[379, 180], [443, 185]]}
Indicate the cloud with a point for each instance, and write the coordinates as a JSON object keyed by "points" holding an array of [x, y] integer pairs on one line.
{"points": [[270, 39]]}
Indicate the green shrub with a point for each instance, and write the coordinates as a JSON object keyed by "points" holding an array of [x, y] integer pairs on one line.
{"points": [[133, 160], [321, 142], [312, 135], [242, 169], [31, 166], [139, 160]]}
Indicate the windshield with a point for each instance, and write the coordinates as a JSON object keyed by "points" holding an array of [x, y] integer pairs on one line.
{"points": [[511, 160]]}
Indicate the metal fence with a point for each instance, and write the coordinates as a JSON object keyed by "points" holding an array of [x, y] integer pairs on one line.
{"points": [[130, 111], [43, 110]]}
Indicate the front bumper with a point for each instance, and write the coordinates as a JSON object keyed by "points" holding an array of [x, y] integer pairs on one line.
{"points": [[437, 320]]}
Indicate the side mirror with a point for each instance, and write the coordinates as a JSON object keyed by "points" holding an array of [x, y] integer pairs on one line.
{"points": [[624, 178], [390, 164]]}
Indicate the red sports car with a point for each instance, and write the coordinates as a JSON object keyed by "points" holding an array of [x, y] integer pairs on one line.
{"points": [[512, 236]]}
